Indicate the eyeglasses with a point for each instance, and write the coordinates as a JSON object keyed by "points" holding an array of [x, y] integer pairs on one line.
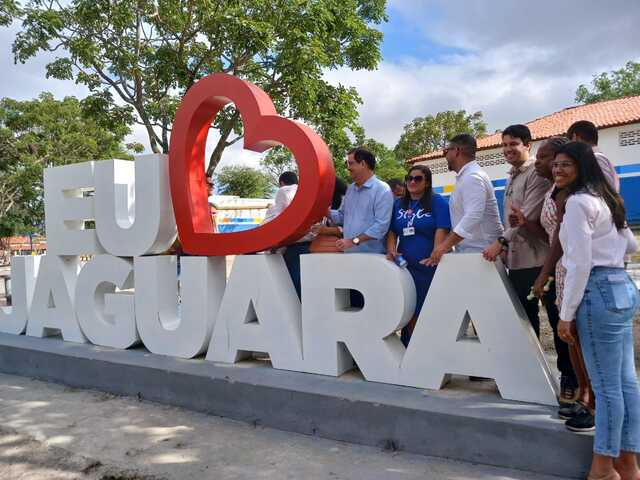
{"points": [[417, 178], [562, 165], [446, 149]]}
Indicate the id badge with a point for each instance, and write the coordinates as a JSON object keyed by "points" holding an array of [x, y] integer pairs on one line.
{"points": [[408, 231]]}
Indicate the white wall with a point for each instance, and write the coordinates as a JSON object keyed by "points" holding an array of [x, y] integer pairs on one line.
{"points": [[497, 168]]}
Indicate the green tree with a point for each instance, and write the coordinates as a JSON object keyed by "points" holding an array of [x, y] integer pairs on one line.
{"points": [[620, 83], [8, 10], [35, 134], [387, 165], [277, 161], [147, 53], [246, 182], [428, 134]]}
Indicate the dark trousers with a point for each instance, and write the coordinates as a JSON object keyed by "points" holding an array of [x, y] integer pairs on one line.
{"points": [[562, 348], [522, 281], [292, 260]]}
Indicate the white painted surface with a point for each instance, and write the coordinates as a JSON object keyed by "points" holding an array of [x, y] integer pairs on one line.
{"points": [[52, 310], [506, 348], [161, 329], [67, 209], [260, 312], [134, 212], [24, 271], [105, 317], [329, 325]]}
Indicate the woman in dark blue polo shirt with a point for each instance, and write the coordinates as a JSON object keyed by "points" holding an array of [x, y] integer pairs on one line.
{"points": [[420, 221]]}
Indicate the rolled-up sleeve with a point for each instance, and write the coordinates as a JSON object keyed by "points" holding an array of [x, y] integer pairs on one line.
{"points": [[577, 256], [382, 209], [474, 202]]}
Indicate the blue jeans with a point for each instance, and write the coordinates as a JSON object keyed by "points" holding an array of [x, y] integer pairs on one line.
{"points": [[605, 326]]}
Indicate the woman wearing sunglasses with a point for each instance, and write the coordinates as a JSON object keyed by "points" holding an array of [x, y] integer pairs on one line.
{"points": [[601, 297], [420, 221]]}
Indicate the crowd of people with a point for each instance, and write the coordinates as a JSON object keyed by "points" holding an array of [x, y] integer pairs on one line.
{"points": [[563, 238]]}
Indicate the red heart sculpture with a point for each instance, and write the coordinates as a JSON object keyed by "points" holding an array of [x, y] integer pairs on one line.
{"points": [[263, 129]]}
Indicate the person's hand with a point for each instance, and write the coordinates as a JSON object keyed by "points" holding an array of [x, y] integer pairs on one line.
{"points": [[436, 256], [516, 217], [492, 251], [538, 285], [316, 227], [392, 254], [567, 331], [344, 244]]}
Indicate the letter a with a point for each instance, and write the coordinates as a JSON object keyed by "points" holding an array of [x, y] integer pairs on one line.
{"points": [[506, 348]]}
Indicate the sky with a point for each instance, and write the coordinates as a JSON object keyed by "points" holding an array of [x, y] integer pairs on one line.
{"points": [[513, 60]]}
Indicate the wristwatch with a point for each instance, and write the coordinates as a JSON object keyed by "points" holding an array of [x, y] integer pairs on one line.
{"points": [[356, 240], [504, 242]]}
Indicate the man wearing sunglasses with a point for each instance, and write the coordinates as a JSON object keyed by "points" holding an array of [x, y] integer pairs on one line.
{"points": [[475, 219]]}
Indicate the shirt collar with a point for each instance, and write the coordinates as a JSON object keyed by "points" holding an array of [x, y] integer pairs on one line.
{"points": [[518, 170], [466, 166], [368, 184]]}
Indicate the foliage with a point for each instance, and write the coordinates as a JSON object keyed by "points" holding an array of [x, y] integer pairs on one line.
{"points": [[620, 83], [387, 165], [246, 182], [8, 11], [35, 134], [147, 53], [277, 161], [428, 134]]}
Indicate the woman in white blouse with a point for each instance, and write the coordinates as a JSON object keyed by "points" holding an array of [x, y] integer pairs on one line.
{"points": [[602, 299]]}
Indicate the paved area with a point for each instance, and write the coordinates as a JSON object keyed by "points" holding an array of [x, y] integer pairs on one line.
{"points": [[49, 431]]}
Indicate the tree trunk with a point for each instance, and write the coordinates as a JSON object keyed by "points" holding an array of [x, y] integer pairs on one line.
{"points": [[225, 131], [165, 136]]}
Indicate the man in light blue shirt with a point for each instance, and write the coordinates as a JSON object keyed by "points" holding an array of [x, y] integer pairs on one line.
{"points": [[365, 213]]}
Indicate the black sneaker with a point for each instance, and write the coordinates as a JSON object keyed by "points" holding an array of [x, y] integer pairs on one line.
{"points": [[582, 422], [568, 390], [569, 411]]}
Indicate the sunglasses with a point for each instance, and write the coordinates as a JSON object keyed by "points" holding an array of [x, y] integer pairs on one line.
{"points": [[417, 178], [448, 148]]}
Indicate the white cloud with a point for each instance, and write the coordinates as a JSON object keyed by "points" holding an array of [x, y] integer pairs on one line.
{"points": [[518, 62]]}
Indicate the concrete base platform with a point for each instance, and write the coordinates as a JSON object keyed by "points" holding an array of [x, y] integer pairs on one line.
{"points": [[466, 421]]}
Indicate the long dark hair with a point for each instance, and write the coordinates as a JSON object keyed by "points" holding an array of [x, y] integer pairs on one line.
{"points": [[425, 200], [592, 180]]}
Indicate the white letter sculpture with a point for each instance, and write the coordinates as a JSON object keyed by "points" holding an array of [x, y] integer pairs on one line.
{"points": [[105, 317], [260, 312], [202, 282], [52, 309], [134, 213], [506, 349], [67, 208], [328, 325], [24, 271]]}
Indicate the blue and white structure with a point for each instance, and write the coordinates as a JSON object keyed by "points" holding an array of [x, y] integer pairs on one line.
{"points": [[618, 123]]}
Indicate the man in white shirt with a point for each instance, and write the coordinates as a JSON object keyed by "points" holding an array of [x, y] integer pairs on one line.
{"points": [[475, 219], [586, 132], [288, 182]]}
